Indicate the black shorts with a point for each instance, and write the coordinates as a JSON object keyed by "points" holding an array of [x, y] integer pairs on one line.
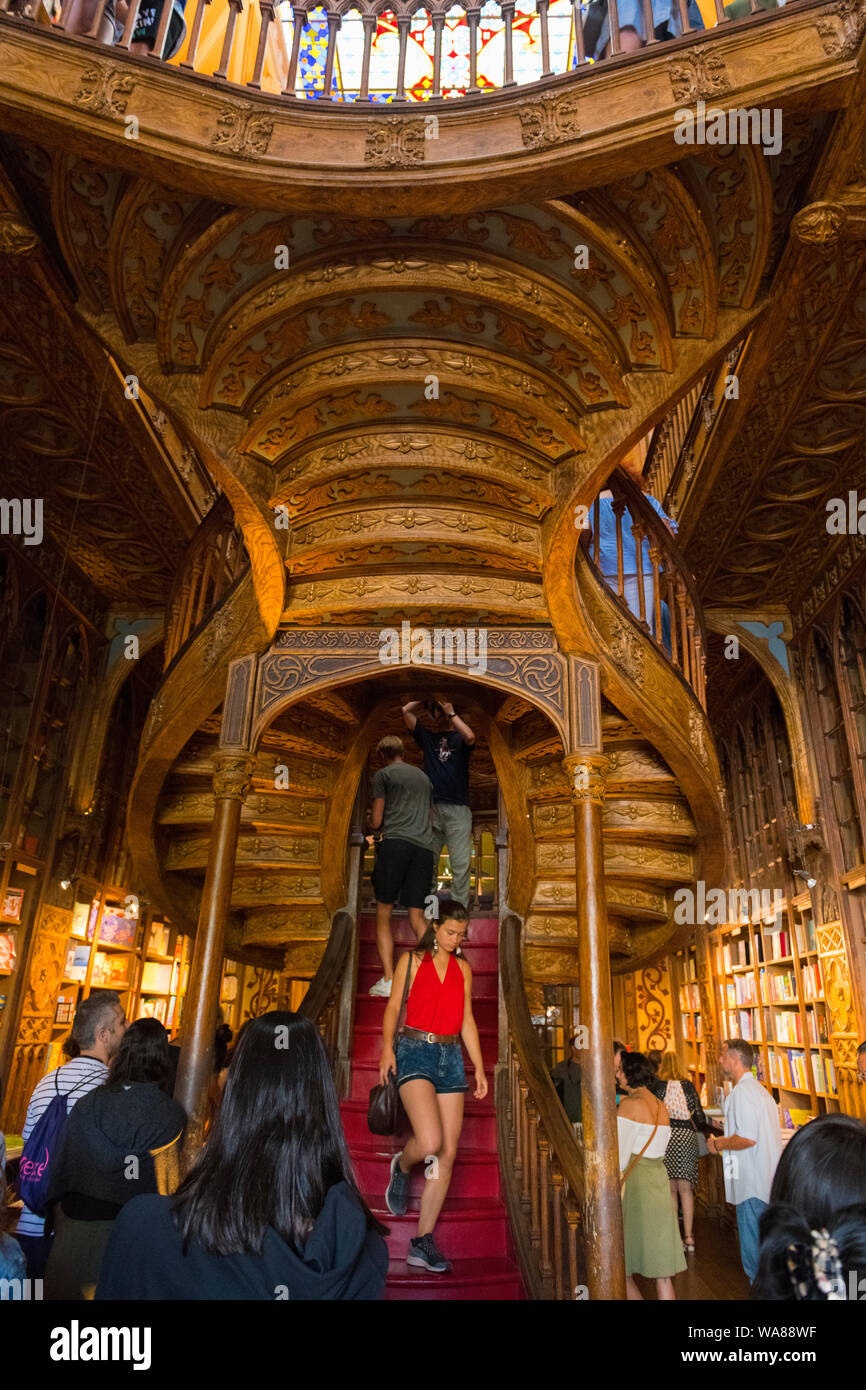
{"points": [[402, 873]]}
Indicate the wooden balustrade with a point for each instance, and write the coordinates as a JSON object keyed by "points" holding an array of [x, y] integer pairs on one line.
{"points": [[324, 52], [659, 593], [330, 999], [215, 558], [676, 443], [322, 1001], [540, 1160]]}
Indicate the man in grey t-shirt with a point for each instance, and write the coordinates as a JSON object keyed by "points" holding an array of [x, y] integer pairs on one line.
{"points": [[402, 798]]}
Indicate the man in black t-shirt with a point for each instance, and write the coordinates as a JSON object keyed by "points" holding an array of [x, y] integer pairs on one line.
{"points": [[447, 748]]}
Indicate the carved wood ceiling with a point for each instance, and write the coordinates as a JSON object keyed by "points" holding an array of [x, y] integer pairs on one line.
{"points": [[69, 433], [414, 391]]}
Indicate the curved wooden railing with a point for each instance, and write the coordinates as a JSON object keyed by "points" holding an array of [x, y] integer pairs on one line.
{"points": [[678, 440], [540, 1160], [321, 1001], [214, 559], [376, 50], [660, 596], [330, 999]]}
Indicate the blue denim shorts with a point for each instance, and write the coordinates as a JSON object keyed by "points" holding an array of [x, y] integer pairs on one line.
{"points": [[439, 1063]]}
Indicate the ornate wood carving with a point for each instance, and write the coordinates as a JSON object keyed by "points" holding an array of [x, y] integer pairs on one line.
{"points": [[104, 90], [242, 130], [549, 120], [17, 238], [523, 660], [396, 143], [700, 74]]}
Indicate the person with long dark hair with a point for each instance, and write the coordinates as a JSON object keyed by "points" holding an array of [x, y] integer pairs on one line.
{"points": [[271, 1209], [106, 1156], [652, 1239], [428, 1063], [813, 1233]]}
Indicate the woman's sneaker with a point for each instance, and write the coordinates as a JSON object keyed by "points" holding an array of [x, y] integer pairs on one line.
{"points": [[381, 989], [397, 1195], [423, 1252]]}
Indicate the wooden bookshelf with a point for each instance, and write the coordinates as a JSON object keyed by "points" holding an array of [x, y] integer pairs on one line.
{"points": [[111, 945], [770, 991], [689, 1022]]}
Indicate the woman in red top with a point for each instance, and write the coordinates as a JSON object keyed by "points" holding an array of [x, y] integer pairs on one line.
{"points": [[430, 1072]]}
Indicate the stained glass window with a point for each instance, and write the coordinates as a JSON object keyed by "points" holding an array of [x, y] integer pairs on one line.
{"points": [[420, 51]]}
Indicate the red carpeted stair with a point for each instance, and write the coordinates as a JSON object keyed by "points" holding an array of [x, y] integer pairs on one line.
{"points": [[472, 1230]]}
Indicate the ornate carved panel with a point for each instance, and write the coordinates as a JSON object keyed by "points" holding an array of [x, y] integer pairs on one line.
{"points": [[524, 661]]}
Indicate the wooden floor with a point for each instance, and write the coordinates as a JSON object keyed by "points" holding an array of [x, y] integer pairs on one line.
{"points": [[714, 1273]]}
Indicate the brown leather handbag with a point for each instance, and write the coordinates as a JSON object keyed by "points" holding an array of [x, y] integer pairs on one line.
{"points": [[385, 1113]]}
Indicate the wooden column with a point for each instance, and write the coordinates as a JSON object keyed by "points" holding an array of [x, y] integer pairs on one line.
{"points": [[231, 782], [605, 1263]]}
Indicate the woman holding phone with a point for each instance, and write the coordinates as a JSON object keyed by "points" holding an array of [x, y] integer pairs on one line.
{"points": [[428, 1063]]}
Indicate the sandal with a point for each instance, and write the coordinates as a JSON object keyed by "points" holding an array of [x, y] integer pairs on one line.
{"points": [[689, 1247]]}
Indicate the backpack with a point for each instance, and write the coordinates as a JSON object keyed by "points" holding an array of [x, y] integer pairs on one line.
{"points": [[43, 1142]]}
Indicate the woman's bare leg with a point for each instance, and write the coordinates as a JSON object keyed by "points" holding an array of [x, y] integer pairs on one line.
{"points": [[79, 18], [436, 1187], [419, 1102], [632, 1292], [687, 1197], [675, 1197], [665, 1290], [629, 42]]}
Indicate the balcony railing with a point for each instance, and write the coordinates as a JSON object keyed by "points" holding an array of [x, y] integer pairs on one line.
{"points": [[214, 559], [636, 557], [364, 51], [680, 438]]}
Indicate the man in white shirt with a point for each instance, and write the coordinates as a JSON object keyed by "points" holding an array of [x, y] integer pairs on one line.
{"points": [[750, 1146], [99, 1025]]}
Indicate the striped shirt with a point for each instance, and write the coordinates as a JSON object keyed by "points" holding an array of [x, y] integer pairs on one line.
{"points": [[80, 1075]]}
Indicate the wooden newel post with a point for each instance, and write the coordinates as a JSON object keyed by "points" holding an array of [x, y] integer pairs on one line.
{"points": [[602, 1207], [231, 782]]}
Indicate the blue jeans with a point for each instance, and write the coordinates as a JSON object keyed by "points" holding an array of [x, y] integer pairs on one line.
{"points": [[749, 1214]]}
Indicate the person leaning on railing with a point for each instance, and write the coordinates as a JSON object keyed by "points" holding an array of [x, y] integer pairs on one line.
{"points": [[79, 16], [632, 30]]}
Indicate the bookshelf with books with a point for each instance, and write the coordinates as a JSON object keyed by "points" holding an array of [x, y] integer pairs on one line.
{"points": [[115, 944], [101, 953], [770, 991], [689, 1022]]}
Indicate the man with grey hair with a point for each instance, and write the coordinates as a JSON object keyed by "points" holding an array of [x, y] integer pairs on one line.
{"points": [[97, 1029], [750, 1147]]}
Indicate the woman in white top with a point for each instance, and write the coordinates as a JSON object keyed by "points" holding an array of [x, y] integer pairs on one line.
{"points": [[652, 1239]]}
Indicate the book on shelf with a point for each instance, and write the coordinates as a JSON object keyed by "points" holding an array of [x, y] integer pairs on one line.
{"points": [[110, 970], [736, 953], [690, 997], [805, 935], [788, 1069], [789, 1026], [782, 986], [777, 945], [156, 977], [154, 1008], [157, 943], [824, 1074], [76, 962], [813, 980]]}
